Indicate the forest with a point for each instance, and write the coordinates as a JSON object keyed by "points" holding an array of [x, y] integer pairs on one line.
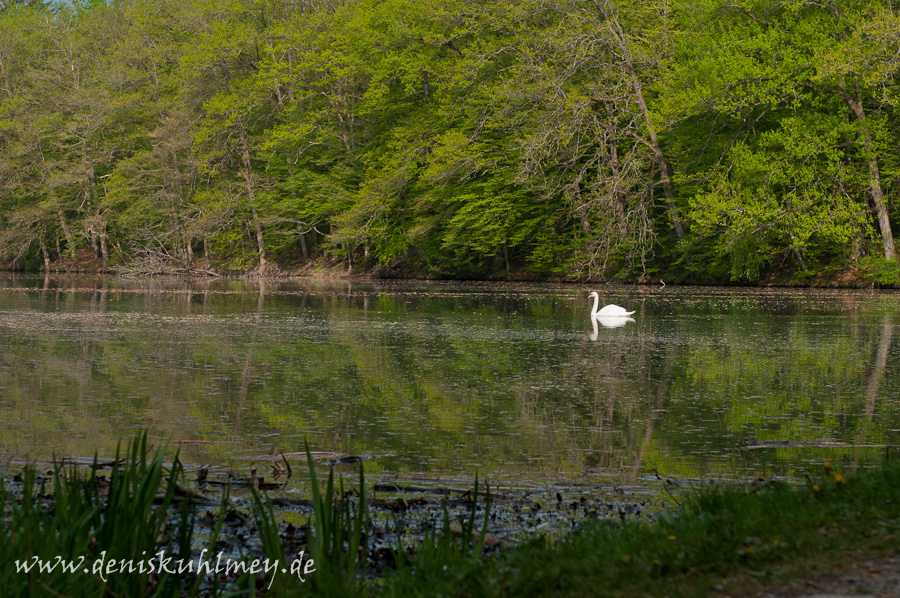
{"points": [[705, 141]]}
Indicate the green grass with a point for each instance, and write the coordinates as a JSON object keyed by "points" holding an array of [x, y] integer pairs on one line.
{"points": [[718, 532]]}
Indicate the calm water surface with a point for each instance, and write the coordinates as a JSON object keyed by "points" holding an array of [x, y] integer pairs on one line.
{"points": [[445, 379]]}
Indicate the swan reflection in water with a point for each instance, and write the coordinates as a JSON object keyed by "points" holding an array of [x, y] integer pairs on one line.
{"points": [[608, 322]]}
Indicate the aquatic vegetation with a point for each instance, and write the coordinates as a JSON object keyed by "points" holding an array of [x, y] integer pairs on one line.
{"points": [[97, 524]]}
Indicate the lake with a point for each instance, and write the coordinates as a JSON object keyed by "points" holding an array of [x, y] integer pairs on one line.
{"points": [[444, 379]]}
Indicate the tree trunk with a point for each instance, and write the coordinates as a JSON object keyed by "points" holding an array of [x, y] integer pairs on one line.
{"points": [[206, 252], [45, 254], [608, 11], [104, 248], [304, 247], [345, 122], [91, 199], [6, 85], [884, 223], [426, 84], [251, 196], [70, 240], [618, 201]]}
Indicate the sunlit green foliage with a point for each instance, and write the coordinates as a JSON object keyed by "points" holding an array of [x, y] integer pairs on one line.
{"points": [[714, 140]]}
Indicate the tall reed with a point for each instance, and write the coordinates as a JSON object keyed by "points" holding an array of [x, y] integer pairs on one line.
{"points": [[105, 531]]}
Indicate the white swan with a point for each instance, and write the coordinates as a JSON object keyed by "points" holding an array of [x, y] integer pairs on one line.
{"points": [[608, 311]]}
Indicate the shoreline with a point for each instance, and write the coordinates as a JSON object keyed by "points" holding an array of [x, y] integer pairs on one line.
{"points": [[340, 273]]}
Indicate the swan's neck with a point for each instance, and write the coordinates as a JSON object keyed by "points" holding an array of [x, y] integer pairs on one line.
{"points": [[596, 305]]}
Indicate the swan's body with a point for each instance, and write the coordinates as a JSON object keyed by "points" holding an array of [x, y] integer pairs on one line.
{"points": [[608, 311]]}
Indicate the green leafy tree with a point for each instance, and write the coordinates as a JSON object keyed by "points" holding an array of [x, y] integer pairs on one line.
{"points": [[797, 128]]}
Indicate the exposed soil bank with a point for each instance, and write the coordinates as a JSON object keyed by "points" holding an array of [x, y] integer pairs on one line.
{"points": [[337, 268]]}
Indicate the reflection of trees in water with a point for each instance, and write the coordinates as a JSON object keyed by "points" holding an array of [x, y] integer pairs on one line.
{"points": [[616, 386], [876, 375], [445, 385], [248, 360], [814, 384]]}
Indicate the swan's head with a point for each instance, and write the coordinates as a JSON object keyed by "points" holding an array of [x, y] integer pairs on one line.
{"points": [[594, 294]]}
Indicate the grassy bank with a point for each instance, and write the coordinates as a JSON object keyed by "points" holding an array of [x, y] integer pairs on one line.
{"points": [[718, 533], [143, 506]]}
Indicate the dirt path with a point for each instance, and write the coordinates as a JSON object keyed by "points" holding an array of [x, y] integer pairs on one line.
{"points": [[852, 576]]}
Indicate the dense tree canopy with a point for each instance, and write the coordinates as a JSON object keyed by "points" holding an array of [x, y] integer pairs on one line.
{"points": [[707, 140]]}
